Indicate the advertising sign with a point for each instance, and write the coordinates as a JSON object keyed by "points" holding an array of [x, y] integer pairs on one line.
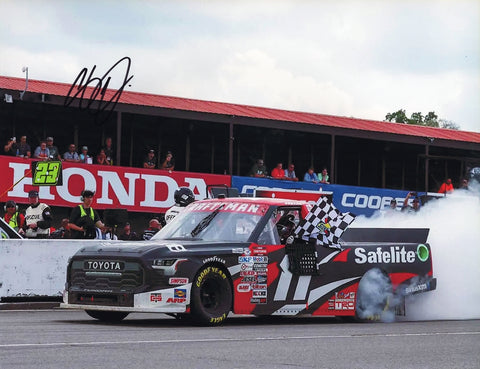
{"points": [[134, 189]]}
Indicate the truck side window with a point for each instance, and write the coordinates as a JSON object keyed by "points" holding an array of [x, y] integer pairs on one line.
{"points": [[269, 235]]}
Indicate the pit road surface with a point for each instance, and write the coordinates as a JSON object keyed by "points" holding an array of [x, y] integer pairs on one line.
{"points": [[71, 339]]}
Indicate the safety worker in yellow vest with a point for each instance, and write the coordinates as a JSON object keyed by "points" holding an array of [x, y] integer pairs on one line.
{"points": [[84, 219], [38, 217], [13, 217]]}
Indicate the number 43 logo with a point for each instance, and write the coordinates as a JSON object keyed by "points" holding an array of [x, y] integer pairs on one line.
{"points": [[47, 173]]}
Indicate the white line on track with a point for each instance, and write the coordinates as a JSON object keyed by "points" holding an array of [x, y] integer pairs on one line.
{"points": [[281, 338]]}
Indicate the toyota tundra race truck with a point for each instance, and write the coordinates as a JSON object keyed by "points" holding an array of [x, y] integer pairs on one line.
{"points": [[236, 255]]}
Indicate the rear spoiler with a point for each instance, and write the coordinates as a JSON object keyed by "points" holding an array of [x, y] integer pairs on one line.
{"points": [[387, 235]]}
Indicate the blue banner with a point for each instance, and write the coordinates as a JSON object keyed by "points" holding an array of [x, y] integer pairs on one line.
{"points": [[357, 200]]}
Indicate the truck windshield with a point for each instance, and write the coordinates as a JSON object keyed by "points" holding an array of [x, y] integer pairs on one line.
{"points": [[216, 225]]}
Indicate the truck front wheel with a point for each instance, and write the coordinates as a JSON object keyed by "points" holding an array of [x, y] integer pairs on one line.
{"points": [[211, 297]]}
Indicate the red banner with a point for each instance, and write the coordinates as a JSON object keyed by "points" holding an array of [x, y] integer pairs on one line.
{"points": [[134, 189]]}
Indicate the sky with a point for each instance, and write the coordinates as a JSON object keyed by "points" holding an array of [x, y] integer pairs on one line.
{"points": [[353, 58]]}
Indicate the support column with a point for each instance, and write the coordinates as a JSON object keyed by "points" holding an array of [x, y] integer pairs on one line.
{"points": [[119, 137], [333, 172], [231, 138], [427, 162]]}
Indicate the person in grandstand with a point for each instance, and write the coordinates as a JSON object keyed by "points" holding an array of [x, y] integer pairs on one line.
{"points": [[415, 203], [323, 176], [290, 173], [84, 219], [310, 175], [258, 169], [153, 227], [183, 196], [446, 187], [38, 217], [13, 217], [278, 172]]}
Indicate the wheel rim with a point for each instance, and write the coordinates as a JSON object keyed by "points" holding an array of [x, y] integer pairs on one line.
{"points": [[211, 294]]}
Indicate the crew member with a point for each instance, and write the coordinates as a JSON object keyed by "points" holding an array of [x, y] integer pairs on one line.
{"points": [[13, 217], [84, 218], [38, 217], [183, 196]]}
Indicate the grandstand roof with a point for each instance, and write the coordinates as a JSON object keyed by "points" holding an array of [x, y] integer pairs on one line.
{"points": [[237, 110]]}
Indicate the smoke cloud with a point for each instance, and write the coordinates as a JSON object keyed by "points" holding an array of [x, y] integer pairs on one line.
{"points": [[454, 237]]}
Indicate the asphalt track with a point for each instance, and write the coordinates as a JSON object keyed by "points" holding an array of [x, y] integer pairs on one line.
{"points": [[70, 339]]}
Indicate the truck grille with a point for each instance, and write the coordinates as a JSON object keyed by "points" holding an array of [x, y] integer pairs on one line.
{"points": [[126, 280]]}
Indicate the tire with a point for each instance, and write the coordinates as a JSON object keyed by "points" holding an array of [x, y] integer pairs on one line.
{"points": [[211, 297], [374, 297], [107, 316]]}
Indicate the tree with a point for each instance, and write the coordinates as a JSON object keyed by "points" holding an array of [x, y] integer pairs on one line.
{"points": [[430, 120]]}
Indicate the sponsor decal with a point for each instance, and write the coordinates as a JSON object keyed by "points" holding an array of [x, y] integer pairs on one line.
{"points": [[243, 287], [237, 251], [249, 279], [218, 319], [176, 300], [342, 301], [259, 293], [259, 286], [246, 266], [213, 259], [262, 279], [175, 247], [253, 259], [103, 265], [258, 300], [155, 297], [361, 201], [179, 292], [177, 280], [244, 273], [231, 207], [395, 255], [417, 288]]}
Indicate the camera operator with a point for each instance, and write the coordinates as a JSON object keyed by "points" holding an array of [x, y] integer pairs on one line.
{"points": [[84, 218], [11, 147]]}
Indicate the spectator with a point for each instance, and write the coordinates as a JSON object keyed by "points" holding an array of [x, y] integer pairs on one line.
{"points": [[109, 154], [54, 153], [84, 219], [150, 161], [323, 176], [169, 162], [128, 234], [71, 155], [415, 203], [63, 231], [393, 204], [11, 147], [38, 217], [310, 176], [446, 187], [84, 157], [102, 158], [290, 173], [13, 217], [278, 172], [153, 227], [258, 169], [464, 185], [42, 152], [24, 148]]}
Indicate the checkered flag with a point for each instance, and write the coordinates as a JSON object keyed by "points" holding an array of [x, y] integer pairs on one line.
{"points": [[325, 223]]}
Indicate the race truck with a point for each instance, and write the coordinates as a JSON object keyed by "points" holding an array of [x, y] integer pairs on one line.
{"points": [[238, 255]]}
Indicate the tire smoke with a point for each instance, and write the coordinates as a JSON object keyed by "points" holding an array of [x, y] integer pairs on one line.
{"points": [[454, 237]]}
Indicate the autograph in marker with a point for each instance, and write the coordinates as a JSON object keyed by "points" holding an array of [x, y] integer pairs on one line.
{"points": [[96, 103]]}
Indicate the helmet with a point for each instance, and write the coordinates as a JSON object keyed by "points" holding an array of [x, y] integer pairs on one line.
{"points": [[184, 196]]}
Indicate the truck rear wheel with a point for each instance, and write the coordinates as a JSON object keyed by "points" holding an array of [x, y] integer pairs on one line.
{"points": [[374, 297], [107, 316], [211, 298]]}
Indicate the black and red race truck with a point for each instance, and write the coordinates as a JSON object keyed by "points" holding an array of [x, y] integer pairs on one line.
{"points": [[230, 255]]}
